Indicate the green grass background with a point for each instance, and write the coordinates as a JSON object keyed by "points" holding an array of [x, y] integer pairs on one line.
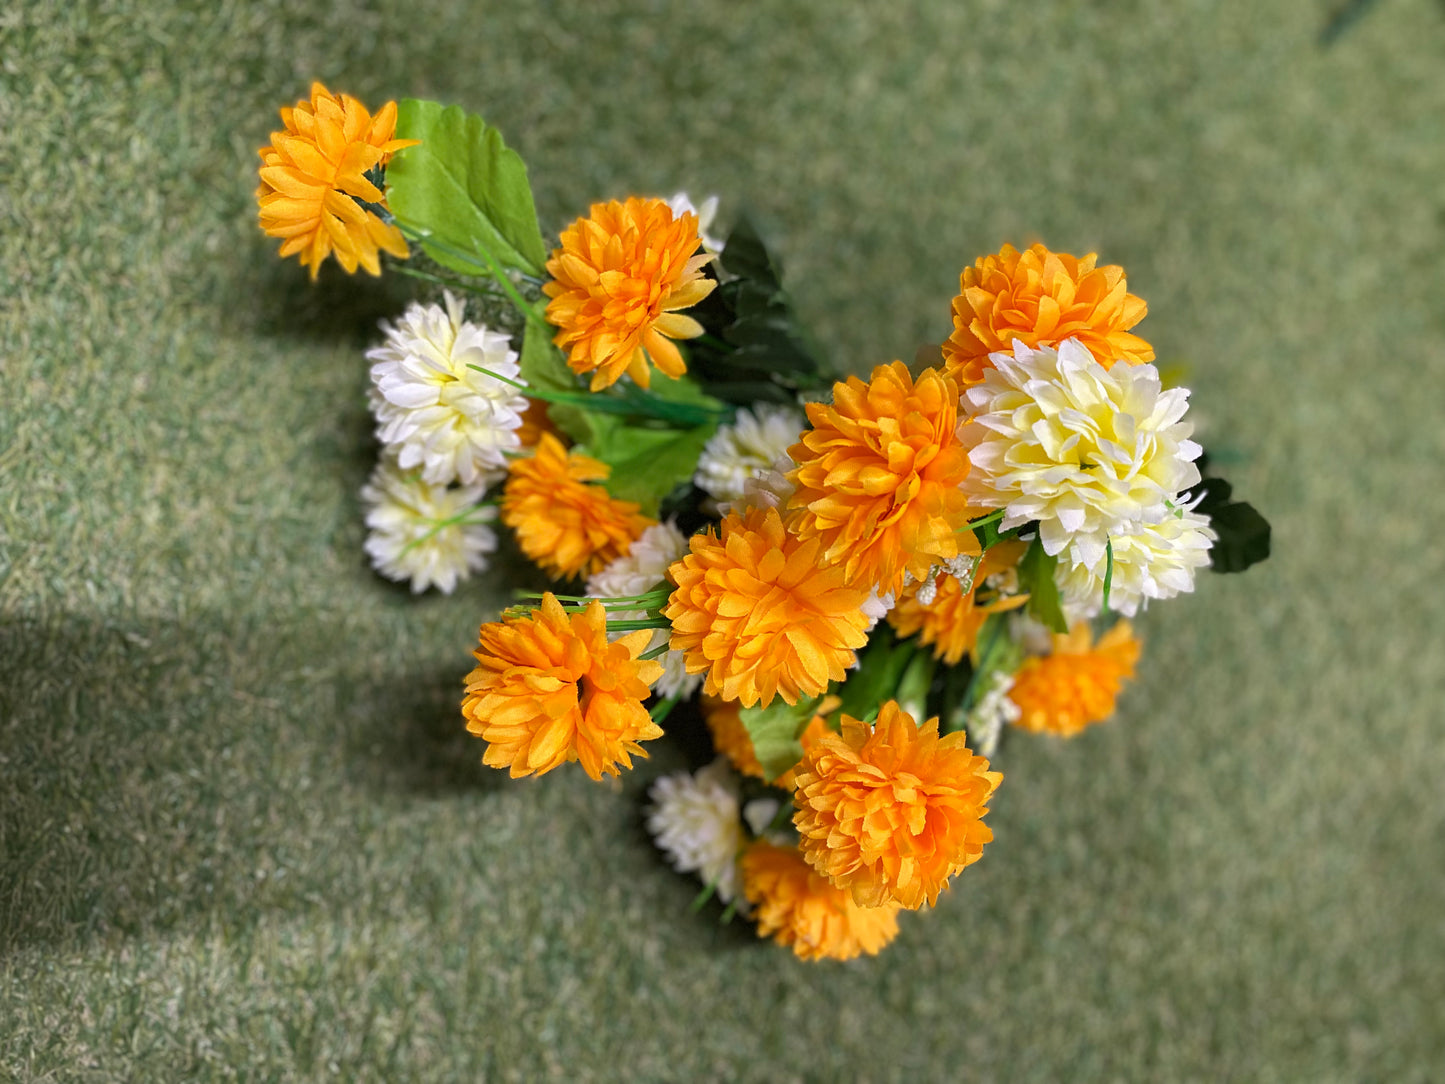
{"points": [[242, 836]]}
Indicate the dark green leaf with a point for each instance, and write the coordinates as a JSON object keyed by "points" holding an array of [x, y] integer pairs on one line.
{"points": [[464, 187], [1244, 534], [881, 664], [543, 367], [1036, 576]]}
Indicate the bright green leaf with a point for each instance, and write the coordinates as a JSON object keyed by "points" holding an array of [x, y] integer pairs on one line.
{"points": [[543, 367], [1036, 576], [464, 187]]}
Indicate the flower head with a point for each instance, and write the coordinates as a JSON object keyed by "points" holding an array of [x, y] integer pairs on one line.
{"points": [[562, 523], [1041, 298], [1151, 560], [798, 908], [757, 610], [681, 204], [878, 474], [425, 533], [1077, 684], [695, 819], [952, 620], [618, 282], [314, 186], [433, 406], [892, 811], [745, 449], [1088, 452], [550, 688]]}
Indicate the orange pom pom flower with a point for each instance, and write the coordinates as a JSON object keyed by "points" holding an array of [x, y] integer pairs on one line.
{"points": [[551, 688], [892, 811], [878, 474], [563, 524], [757, 610], [313, 182], [1041, 298], [617, 283], [1078, 683], [798, 908]]}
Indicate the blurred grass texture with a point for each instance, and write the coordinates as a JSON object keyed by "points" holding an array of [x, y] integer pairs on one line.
{"points": [[242, 834]]}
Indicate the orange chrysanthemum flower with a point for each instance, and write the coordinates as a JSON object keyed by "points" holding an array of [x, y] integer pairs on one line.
{"points": [[551, 688], [564, 525], [1041, 298], [617, 283], [1078, 683], [313, 182], [951, 622], [892, 811], [878, 474], [796, 907], [730, 736], [759, 612]]}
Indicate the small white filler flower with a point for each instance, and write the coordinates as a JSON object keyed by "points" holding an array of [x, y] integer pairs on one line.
{"points": [[1089, 452], [748, 448], [640, 569], [432, 535], [433, 409], [696, 822]]}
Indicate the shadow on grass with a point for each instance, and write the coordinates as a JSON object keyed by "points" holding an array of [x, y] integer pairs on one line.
{"points": [[152, 772]]}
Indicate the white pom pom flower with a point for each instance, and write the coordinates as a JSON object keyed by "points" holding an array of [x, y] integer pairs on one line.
{"points": [[432, 535], [435, 411], [696, 822], [640, 569], [1155, 560], [1086, 451], [746, 449]]}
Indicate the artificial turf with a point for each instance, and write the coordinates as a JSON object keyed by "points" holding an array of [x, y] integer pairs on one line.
{"points": [[242, 836]]}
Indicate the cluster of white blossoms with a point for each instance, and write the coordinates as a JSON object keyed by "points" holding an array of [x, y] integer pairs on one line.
{"points": [[695, 821], [1101, 459], [748, 448], [641, 569], [433, 407], [446, 430], [432, 535]]}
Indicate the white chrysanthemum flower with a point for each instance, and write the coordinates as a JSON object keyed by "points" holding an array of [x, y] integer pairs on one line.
{"points": [[990, 713], [747, 448], [1156, 560], [696, 822], [766, 489], [640, 569], [429, 534], [1053, 436], [432, 408], [681, 204]]}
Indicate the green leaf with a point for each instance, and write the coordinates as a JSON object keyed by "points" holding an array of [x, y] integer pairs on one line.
{"points": [[649, 460], [881, 665], [1036, 576], [1244, 534], [464, 187], [542, 366], [775, 731]]}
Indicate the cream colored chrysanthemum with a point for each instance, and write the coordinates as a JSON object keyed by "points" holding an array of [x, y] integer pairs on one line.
{"points": [[696, 821], [432, 407], [1089, 452], [681, 204], [769, 488], [746, 448], [1153, 560], [642, 568], [428, 534]]}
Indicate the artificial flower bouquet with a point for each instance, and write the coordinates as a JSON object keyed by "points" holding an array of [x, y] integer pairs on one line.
{"points": [[862, 581]]}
